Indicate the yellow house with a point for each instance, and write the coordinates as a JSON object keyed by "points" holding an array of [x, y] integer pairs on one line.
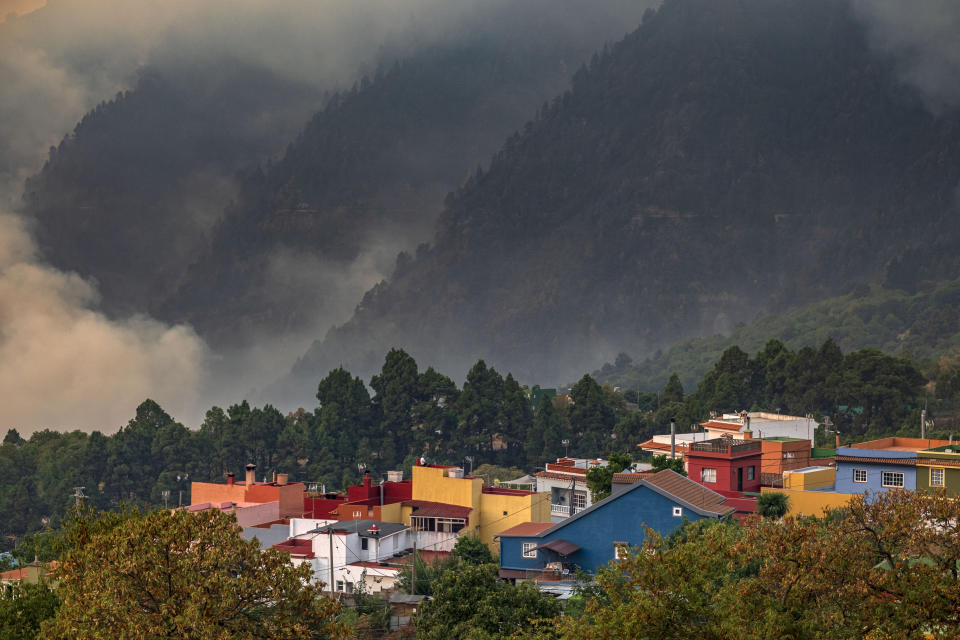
{"points": [[446, 502], [805, 489]]}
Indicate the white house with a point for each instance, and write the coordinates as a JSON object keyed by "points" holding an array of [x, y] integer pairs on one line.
{"points": [[348, 551]]}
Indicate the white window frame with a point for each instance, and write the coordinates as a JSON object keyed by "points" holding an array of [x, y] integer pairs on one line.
{"points": [[678, 511], [884, 476], [621, 550], [856, 473], [528, 550], [941, 471], [339, 585], [704, 475], [579, 502]]}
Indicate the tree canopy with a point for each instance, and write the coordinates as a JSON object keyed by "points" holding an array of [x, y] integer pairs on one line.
{"points": [[182, 575]]}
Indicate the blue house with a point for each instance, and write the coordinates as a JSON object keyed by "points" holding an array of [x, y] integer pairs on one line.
{"points": [[547, 551], [879, 465]]}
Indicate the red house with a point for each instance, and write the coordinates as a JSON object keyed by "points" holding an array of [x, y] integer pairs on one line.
{"points": [[725, 465]]}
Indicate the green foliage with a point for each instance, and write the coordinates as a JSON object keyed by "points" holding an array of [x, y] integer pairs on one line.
{"points": [[181, 574], [471, 550], [666, 462], [600, 479], [773, 504], [882, 568], [23, 608], [472, 603], [426, 574]]}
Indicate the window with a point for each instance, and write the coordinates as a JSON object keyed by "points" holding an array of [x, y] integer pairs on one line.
{"points": [[751, 471], [677, 511], [339, 585], [528, 550], [892, 479], [859, 475], [364, 544], [349, 587], [708, 475], [936, 477], [579, 501]]}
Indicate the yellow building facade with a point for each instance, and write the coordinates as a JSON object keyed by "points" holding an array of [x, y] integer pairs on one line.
{"points": [[491, 510]]}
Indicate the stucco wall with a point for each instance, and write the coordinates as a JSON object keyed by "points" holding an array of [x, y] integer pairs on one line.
{"points": [[811, 503], [519, 509], [619, 520], [845, 483]]}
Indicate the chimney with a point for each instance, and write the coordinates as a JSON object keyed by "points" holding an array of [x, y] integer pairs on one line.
{"points": [[251, 474], [366, 481], [673, 439], [746, 421], [282, 479], [748, 435], [838, 441], [230, 479]]}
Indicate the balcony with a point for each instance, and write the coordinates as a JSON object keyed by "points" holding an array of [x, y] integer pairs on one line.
{"points": [[564, 509], [726, 445]]}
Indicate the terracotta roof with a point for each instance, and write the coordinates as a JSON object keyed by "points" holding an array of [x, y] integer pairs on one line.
{"points": [[904, 462], [629, 477], [717, 424], [14, 574], [296, 547], [527, 529], [650, 444], [429, 509], [516, 574], [563, 468], [550, 475], [689, 491]]}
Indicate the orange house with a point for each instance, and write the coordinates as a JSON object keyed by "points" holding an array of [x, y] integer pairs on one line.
{"points": [[288, 494]]}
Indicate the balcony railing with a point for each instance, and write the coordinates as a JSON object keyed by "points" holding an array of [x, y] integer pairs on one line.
{"points": [[726, 445], [564, 509]]}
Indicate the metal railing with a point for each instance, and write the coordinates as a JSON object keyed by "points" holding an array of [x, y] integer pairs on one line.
{"points": [[726, 445]]}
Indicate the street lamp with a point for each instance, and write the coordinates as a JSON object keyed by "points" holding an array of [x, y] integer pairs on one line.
{"points": [[566, 446]]}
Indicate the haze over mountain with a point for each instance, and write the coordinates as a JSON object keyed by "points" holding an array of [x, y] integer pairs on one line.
{"points": [[132, 197], [726, 158]]}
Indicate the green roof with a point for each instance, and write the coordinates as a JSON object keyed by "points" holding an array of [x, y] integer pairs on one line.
{"points": [[955, 448], [783, 439], [823, 453]]}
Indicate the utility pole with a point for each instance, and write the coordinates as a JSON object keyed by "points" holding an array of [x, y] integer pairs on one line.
{"points": [[330, 539], [78, 496], [673, 439], [413, 569], [923, 423]]}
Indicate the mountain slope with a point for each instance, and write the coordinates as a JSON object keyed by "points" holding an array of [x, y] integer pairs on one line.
{"points": [[127, 197], [924, 326], [725, 158]]}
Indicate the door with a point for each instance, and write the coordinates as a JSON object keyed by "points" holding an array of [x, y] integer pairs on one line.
{"points": [[740, 479]]}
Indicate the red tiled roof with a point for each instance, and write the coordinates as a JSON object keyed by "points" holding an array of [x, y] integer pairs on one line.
{"points": [[550, 475], [907, 462], [296, 547], [429, 509], [527, 529], [689, 491], [14, 574], [660, 446], [717, 424], [629, 477]]}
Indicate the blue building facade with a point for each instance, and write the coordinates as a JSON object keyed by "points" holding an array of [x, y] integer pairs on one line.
{"points": [[591, 538], [875, 470]]}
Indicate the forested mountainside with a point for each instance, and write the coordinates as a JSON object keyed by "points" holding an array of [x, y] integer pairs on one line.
{"points": [[923, 326], [365, 180], [128, 197], [727, 157], [157, 194]]}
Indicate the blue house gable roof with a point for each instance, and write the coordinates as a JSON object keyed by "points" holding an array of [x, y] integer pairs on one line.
{"points": [[588, 539]]}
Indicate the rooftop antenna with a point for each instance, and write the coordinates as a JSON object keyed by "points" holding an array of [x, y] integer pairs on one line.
{"points": [[78, 496]]}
